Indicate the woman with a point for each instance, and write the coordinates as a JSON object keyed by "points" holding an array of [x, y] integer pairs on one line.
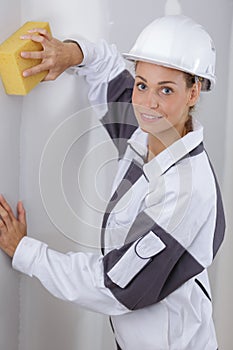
{"points": [[151, 277]]}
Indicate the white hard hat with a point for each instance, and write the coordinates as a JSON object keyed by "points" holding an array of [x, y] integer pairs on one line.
{"points": [[180, 43]]}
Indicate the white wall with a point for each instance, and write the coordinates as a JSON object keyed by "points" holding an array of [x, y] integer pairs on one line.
{"points": [[10, 118], [57, 325], [224, 284], [37, 320]]}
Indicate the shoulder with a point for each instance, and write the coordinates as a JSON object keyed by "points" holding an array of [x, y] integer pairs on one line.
{"points": [[120, 88]]}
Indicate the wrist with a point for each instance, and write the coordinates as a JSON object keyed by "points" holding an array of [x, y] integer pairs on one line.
{"points": [[75, 52]]}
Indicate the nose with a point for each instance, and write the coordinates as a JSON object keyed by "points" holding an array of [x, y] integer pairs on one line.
{"points": [[152, 100]]}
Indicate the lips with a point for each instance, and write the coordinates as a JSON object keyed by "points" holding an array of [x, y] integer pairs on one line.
{"points": [[150, 117]]}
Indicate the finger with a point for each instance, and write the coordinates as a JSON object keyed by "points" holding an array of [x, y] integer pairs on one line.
{"points": [[35, 70], [5, 219], [33, 54], [51, 76], [41, 31], [6, 206], [34, 37], [2, 226], [21, 213]]}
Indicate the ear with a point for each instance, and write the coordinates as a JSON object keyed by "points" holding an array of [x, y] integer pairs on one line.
{"points": [[194, 94]]}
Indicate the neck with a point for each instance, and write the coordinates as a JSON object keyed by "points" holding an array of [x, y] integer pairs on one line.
{"points": [[159, 142]]}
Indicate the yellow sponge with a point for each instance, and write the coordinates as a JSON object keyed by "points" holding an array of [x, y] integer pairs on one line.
{"points": [[12, 64]]}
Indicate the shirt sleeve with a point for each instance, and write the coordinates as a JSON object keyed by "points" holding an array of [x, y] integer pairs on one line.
{"points": [[75, 277], [110, 90], [101, 64]]}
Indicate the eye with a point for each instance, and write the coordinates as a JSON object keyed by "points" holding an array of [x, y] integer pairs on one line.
{"points": [[167, 91], [141, 86]]}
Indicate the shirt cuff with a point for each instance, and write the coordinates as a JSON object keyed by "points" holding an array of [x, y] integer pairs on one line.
{"points": [[26, 254], [88, 49]]}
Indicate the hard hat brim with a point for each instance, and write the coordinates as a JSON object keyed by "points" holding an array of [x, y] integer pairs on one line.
{"points": [[136, 58]]}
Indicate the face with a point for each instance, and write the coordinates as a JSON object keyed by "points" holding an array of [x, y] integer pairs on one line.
{"points": [[161, 98]]}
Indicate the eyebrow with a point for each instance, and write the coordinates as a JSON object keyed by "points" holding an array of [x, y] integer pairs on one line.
{"points": [[159, 83]]}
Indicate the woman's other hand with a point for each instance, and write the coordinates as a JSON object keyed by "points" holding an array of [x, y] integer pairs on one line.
{"points": [[12, 229], [55, 57]]}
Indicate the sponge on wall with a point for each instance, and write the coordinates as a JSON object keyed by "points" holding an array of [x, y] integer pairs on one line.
{"points": [[12, 64]]}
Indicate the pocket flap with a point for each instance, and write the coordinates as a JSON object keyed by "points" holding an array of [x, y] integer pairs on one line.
{"points": [[149, 246], [135, 258]]}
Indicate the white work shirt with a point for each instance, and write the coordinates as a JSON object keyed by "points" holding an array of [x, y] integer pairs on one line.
{"points": [[161, 230]]}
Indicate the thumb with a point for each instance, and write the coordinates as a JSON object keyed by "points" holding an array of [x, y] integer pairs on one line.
{"points": [[21, 213]]}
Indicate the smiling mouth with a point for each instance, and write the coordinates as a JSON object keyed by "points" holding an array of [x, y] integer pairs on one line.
{"points": [[151, 117]]}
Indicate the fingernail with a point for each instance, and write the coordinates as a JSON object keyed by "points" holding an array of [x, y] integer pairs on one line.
{"points": [[25, 74], [23, 37], [23, 54]]}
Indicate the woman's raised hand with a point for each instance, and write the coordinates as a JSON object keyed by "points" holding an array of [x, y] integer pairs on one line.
{"points": [[12, 228], [56, 56]]}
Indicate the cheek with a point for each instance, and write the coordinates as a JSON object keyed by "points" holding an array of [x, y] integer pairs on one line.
{"points": [[177, 106], [139, 98]]}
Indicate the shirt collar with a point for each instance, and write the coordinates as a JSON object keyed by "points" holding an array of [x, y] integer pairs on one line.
{"points": [[171, 155], [138, 142]]}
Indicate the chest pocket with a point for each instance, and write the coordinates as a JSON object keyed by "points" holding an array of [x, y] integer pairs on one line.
{"points": [[135, 259]]}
